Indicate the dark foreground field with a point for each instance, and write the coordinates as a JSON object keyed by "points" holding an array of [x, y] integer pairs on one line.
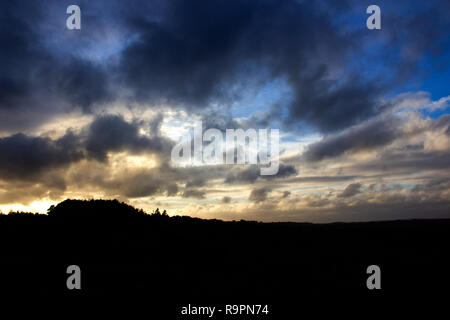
{"points": [[125, 253]]}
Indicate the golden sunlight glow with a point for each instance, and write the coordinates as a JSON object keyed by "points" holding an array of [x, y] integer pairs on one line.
{"points": [[40, 206]]}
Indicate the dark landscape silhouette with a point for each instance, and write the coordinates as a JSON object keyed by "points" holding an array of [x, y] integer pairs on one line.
{"points": [[123, 251]]}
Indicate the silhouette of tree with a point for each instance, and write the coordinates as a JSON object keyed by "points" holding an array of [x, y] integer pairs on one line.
{"points": [[52, 207], [94, 210]]}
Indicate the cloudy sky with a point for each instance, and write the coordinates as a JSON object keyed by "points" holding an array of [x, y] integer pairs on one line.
{"points": [[364, 115]]}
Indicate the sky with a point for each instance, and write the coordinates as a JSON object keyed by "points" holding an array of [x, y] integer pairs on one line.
{"points": [[363, 115]]}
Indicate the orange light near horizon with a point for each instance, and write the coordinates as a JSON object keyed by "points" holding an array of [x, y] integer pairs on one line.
{"points": [[35, 206]]}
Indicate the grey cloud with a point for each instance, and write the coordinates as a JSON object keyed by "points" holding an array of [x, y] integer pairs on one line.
{"points": [[112, 133], [198, 54], [144, 184], [172, 189], [25, 157], [443, 122], [259, 195], [252, 173], [427, 200], [321, 179], [247, 175], [39, 80], [81, 83], [404, 162], [372, 134], [205, 52], [192, 193], [196, 182], [226, 200], [351, 190], [435, 185], [317, 201], [286, 194], [126, 183]]}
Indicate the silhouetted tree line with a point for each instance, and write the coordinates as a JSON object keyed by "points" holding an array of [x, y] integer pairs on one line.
{"points": [[20, 213], [102, 209], [91, 209], [124, 250]]}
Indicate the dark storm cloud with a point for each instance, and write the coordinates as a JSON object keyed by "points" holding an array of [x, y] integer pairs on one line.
{"points": [[24, 157], [333, 105], [187, 56], [18, 56], [366, 136], [39, 79], [81, 83], [198, 53], [201, 52], [21, 61], [112, 133]]}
